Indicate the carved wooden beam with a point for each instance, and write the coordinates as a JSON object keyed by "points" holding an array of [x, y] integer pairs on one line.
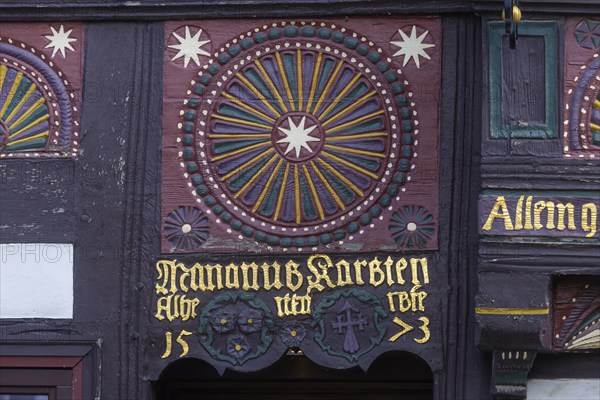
{"points": [[509, 375]]}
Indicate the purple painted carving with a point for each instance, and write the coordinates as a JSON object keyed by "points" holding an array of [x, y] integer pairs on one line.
{"points": [[587, 34], [299, 135], [346, 323]]}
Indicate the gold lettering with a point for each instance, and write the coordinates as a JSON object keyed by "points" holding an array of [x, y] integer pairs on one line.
{"points": [[232, 279], [388, 270], [537, 212], [175, 306], [246, 279], [424, 328], [589, 216], [401, 265], [163, 304], [406, 301], [267, 279], [185, 348], [416, 299], [499, 210], [519, 214], [528, 213], [282, 305], [291, 271], [187, 308], [358, 265], [323, 264], [292, 305], [168, 344], [343, 272], [167, 271], [375, 270], [403, 302], [561, 216], [414, 263]]}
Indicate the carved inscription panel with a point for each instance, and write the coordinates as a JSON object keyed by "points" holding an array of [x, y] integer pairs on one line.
{"points": [[299, 192]]}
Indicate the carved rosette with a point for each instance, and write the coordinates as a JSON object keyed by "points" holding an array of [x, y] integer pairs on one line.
{"points": [[36, 112], [298, 135], [236, 327]]}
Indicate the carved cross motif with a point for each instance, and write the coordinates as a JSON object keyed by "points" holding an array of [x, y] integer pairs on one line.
{"points": [[351, 344]]}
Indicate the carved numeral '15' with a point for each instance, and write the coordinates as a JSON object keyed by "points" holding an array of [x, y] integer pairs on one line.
{"points": [[185, 348]]}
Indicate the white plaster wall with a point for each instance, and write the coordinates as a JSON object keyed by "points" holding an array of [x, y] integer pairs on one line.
{"points": [[36, 280], [563, 389]]}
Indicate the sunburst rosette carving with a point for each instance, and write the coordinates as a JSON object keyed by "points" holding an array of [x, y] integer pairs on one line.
{"points": [[36, 110], [298, 135]]}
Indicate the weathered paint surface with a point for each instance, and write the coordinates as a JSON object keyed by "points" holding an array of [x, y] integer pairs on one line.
{"points": [[107, 201]]}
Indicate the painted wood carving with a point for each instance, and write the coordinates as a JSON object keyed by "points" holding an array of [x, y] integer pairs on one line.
{"points": [[582, 88], [300, 135], [539, 214], [40, 83], [577, 314], [295, 144]]}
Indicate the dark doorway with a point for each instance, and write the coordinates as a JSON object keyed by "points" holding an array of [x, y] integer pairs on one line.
{"points": [[295, 377]]}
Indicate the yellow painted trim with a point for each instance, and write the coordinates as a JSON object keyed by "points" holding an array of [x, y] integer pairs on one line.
{"points": [[350, 165], [248, 108], [355, 151], [37, 121], [285, 81], [241, 121], [11, 92], [356, 136], [511, 311], [242, 150], [341, 177], [299, 78], [297, 193], [258, 94], [271, 85], [313, 189], [340, 96], [27, 113], [254, 177], [330, 82], [313, 83], [262, 195], [3, 72], [281, 192], [23, 100], [28, 139], [247, 164], [346, 110], [327, 185], [355, 121]]}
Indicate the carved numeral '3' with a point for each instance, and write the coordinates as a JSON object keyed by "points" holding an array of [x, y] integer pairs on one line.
{"points": [[180, 339], [425, 329]]}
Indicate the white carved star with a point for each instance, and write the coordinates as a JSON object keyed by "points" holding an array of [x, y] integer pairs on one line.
{"points": [[60, 41], [412, 46], [190, 47], [297, 137]]}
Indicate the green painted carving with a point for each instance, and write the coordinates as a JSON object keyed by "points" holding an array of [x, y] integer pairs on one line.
{"points": [[236, 327], [341, 311], [545, 125]]}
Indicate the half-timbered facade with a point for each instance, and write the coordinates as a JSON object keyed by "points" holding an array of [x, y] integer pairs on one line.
{"points": [[263, 199]]}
